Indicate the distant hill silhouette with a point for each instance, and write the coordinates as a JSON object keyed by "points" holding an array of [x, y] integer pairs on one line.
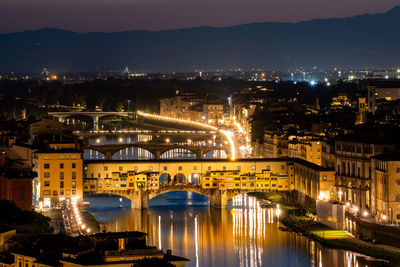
{"points": [[364, 40]]}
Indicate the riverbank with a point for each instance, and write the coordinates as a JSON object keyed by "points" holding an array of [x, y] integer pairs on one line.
{"points": [[90, 221], [302, 222]]}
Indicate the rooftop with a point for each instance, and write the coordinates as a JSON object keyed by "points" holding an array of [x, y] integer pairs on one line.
{"points": [[392, 156], [312, 165]]}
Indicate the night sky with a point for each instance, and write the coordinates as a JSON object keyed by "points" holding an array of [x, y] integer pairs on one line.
{"points": [[122, 15]]}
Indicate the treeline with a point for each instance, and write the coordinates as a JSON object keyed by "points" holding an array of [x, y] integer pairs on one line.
{"points": [[113, 94]]}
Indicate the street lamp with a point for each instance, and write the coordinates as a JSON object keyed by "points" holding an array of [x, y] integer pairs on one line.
{"points": [[167, 140]]}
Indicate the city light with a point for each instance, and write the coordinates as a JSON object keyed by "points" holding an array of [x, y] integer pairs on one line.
{"points": [[365, 213]]}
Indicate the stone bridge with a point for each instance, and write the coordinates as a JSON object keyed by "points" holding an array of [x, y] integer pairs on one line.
{"points": [[157, 149], [139, 199], [95, 115]]}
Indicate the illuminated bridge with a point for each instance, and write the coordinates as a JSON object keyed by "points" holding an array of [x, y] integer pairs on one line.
{"points": [[157, 149], [143, 180], [95, 115]]}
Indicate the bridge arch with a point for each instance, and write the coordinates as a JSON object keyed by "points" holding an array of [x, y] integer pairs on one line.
{"points": [[215, 154], [194, 179], [178, 153], [133, 153], [92, 154], [164, 179], [179, 178], [180, 189]]}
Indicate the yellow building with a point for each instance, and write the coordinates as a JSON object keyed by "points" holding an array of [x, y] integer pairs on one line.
{"points": [[306, 148], [387, 186], [275, 145], [313, 180], [59, 169]]}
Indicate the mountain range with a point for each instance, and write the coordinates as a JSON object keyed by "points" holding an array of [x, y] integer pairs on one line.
{"points": [[359, 41]]}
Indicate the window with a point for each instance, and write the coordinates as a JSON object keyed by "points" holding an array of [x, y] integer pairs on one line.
{"points": [[61, 165], [46, 166], [46, 175], [238, 167], [268, 168], [180, 168], [130, 184], [46, 183], [253, 167], [324, 178], [209, 168], [46, 192], [165, 168], [73, 165], [150, 168], [224, 168], [61, 192], [61, 184], [61, 175], [105, 168], [397, 169], [120, 168], [74, 192], [73, 184], [195, 168], [98, 175], [68, 191], [282, 167]]}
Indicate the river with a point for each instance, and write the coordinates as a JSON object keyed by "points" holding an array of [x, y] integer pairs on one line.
{"points": [[242, 235]]}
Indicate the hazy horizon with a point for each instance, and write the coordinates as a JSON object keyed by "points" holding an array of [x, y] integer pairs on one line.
{"points": [[121, 15]]}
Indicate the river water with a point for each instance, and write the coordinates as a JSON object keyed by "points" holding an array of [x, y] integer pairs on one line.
{"points": [[242, 235]]}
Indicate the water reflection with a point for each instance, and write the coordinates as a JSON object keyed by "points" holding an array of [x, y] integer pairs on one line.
{"points": [[243, 235]]}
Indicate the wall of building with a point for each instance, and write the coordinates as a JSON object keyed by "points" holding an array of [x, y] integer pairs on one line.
{"points": [[17, 190], [59, 176]]}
